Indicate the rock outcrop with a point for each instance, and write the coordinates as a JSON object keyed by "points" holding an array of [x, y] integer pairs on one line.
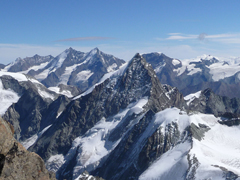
{"points": [[15, 161]]}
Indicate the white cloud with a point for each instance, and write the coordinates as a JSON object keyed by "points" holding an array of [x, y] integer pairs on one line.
{"points": [[182, 37], [92, 38], [226, 38]]}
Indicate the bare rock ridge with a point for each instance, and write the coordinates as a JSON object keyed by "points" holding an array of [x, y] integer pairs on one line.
{"points": [[16, 162]]}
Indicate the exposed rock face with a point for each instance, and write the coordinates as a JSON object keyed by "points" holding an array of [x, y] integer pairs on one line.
{"points": [[15, 161], [2, 66], [73, 89], [211, 103]]}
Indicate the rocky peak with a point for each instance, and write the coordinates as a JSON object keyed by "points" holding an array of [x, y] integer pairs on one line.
{"points": [[36, 56], [159, 97], [18, 59]]}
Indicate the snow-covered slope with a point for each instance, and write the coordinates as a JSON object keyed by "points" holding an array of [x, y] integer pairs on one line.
{"points": [[7, 98], [42, 90], [214, 155]]}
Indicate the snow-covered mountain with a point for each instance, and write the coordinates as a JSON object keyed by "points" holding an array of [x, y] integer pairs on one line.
{"points": [[129, 126], [25, 65], [71, 67], [192, 75]]}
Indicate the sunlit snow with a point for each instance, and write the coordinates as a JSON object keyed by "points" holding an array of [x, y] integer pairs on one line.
{"points": [[112, 67], [58, 91], [113, 74], [189, 98], [220, 147], [7, 98], [94, 145], [30, 141], [175, 62], [83, 75]]}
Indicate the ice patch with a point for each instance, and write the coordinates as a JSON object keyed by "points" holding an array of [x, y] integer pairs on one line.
{"points": [[17, 76], [189, 98], [64, 92], [7, 98], [60, 60], [45, 94], [30, 141], [94, 145], [55, 162], [83, 75], [112, 67], [175, 62], [35, 68], [111, 75], [159, 68], [42, 75], [59, 114], [67, 73]]}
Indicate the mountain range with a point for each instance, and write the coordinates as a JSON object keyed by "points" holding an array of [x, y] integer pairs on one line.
{"points": [[71, 67], [131, 122]]}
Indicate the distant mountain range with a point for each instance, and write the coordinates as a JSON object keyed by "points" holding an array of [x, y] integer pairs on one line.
{"points": [[83, 70], [192, 75], [71, 67], [126, 125]]}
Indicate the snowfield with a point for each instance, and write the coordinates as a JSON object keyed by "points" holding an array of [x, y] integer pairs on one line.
{"points": [[7, 98], [220, 147]]}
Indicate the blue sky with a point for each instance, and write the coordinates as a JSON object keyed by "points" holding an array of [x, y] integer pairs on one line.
{"points": [[179, 29]]}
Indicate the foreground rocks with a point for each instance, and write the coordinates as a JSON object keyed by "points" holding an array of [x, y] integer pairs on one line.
{"points": [[16, 162]]}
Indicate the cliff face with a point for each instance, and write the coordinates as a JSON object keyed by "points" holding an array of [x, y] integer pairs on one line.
{"points": [[15, 161]]}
